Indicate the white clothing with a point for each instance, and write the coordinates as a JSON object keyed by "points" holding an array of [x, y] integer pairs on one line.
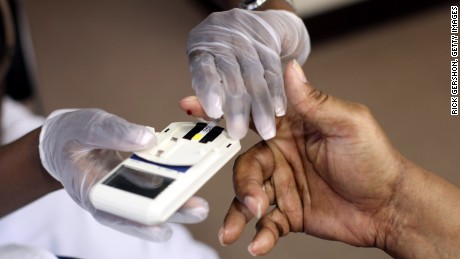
{"points": [[21, 252], [17, 120]]}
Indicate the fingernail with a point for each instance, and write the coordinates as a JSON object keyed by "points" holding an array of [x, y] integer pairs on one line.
{"points": [[251, 249], [299, 71], [149, 137], [238, 128], [189, 99], [189, 112], [268, 130], [221, 236], [279, 104], [268, 133], [252, 203], [160, 233]]}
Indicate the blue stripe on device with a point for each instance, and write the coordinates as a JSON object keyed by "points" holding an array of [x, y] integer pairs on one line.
{"points": [[181, 169]]}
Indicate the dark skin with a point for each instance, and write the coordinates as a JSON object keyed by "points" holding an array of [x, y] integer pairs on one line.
{"points": [[23, 177], [331, 172]]}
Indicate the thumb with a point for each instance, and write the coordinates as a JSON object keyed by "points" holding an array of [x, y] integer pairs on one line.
{"points": [[100, 129], [320, 110]]}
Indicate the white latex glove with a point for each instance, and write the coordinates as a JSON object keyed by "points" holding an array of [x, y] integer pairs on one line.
{"points": [[237, 60], [79, 147]]}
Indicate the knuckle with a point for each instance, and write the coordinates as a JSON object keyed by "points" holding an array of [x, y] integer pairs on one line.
{"points": [[239, 161], [213, 17], [363, 111], [234, 13], [318, 95]]}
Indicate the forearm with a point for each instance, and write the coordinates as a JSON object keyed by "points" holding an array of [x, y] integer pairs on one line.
{"points": [[426, 222], [270, 4], [22, 177]]}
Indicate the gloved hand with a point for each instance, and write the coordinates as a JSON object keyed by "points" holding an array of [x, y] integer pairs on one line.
{"points": [[237, 59], [79, 147]]}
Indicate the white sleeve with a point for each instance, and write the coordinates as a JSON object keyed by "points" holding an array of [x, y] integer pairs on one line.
{"points": [[17, 120], [14, 251]]}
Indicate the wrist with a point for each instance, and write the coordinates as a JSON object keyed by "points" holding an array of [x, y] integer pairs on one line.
{"points": [[23, 178], [423, 223], [49, 121]]}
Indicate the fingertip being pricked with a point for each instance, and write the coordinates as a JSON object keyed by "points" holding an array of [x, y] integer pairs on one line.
{"points": [[192, 106]]}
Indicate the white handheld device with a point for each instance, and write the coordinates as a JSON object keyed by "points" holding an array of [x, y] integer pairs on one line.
{"points": [[150, 185]]}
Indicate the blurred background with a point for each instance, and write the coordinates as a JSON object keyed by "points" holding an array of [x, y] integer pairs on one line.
{"points": [[128, 57]]}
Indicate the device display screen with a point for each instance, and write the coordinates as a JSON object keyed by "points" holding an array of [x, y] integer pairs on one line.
{"points": [[141, 183]]}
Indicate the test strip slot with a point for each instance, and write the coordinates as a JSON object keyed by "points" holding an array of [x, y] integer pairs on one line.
{"points": [[210, 136]]}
